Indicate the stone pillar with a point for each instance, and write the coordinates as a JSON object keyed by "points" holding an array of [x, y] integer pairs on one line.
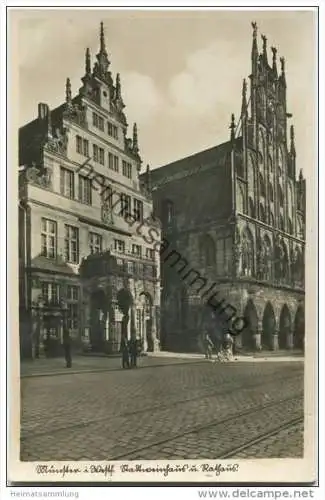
{"points": [[275, 342], [107, 331], [289, 340], [155, 341], [257, 338], [144, 331]]}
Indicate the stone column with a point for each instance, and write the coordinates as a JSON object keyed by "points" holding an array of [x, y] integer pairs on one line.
{"points": [[144, 331], [258, 338], [289, 340], [155, 340], [275, 342]]}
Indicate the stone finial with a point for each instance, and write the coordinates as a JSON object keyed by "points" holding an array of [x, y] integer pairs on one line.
{"points": [[68, 95], [232, 127], [135, 145], [87, 62]]}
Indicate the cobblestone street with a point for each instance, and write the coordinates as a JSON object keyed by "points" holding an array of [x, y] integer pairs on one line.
{"points": [[165, 409]]}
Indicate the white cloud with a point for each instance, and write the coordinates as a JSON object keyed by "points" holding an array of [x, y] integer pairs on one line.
{"points": [[208, 81], [142, 98]]}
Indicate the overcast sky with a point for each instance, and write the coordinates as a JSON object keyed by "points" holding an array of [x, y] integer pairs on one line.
{"points": [[181, 72]]}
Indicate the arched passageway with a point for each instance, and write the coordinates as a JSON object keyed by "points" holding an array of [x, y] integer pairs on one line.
{"points": [[248, 334], [268, 327], [144, 322], [299, 329], [285, 328], [98, 315]]}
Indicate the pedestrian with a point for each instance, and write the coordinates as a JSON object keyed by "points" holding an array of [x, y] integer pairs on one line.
{"points": [[208, 345], [133, 352], [125, 353], [228, 346], [67, 348]]}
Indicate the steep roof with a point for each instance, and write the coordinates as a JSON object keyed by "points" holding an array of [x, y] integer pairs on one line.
{"points": [[214, 156]]}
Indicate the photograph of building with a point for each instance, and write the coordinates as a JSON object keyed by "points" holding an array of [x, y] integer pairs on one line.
{"points": [[80, 206], [164, 247]]}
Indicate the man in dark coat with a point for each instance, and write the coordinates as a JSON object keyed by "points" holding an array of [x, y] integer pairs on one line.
{"points": [[67, 348], [133, 352], [125, 353]]}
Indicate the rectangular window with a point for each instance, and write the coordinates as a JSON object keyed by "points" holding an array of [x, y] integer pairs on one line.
{"points": [[95, 152], [112, 130], [150, 254], [50, 292], [98, 121], [72, 307], [67, 182], [71, 244], [95, 119], [82, 146], [119, 246], [130, 267], [136, 250], [107, 194], [72, 293], [86, 147], [85, 190], [101, 156], [95, 242], [137, 210], [79, 144], [110, 161], [116, 163], [101, 123], [125, 205], [72, 316], [48, 238], [127, 169]]}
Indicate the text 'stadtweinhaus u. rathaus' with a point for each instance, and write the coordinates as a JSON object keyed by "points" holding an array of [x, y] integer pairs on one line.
{"points": [[233, 223], [82, 257]]}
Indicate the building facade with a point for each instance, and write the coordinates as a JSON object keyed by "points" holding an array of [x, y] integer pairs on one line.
{"points": [[82, 258], [233, 225]]}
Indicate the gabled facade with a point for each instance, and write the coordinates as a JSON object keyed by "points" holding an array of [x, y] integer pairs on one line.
{"points": [[234, 215], [80, 200]]}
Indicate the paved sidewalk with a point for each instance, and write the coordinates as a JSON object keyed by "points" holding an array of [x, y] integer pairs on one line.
{"points": [[256, 357], [85, 363], [91, 364]]}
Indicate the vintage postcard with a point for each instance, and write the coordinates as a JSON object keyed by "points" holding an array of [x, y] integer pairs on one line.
{"points": [[163, 166]]}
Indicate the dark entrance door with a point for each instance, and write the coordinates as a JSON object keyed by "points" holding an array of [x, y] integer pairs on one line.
{"points": [[98, 315]]}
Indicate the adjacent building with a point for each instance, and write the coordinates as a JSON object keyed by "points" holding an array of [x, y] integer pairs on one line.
{"points": [[233, 224], [84, 259]]}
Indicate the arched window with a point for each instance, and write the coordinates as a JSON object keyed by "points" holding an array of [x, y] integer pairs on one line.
{"points": [[247, 254], [281, 162], [280, 194], [281, 221], [290, 227], [168, 212], [271, 219], [271, 194], [240, 199], [262, 213], [208, 250], [251, 207], [262, 184], [281, 261], [270, 164], [261, 147], [267, 259]]}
